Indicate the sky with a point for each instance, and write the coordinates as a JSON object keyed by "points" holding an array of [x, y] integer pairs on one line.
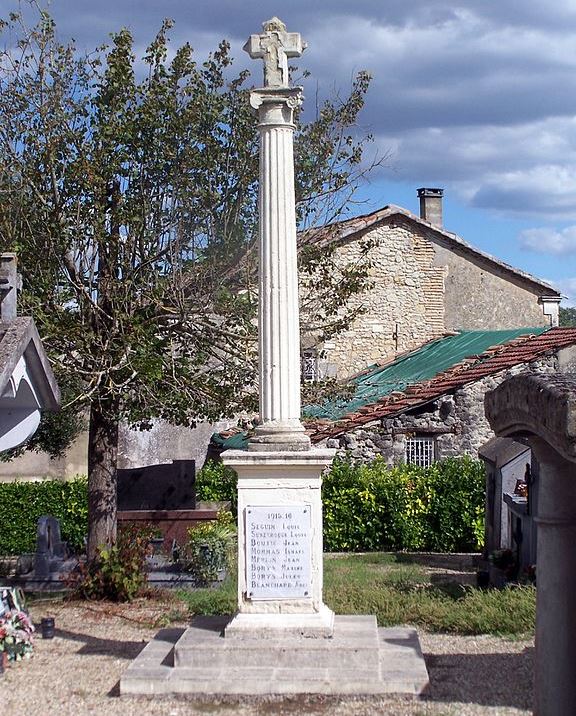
{"points": [[476, 97]]}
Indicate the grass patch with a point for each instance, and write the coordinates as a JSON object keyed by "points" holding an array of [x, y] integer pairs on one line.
{"points": [[400, 593], [404, 594], [221, 599]]}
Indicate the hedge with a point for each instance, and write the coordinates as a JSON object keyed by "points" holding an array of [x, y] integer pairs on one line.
{"points": [[370, 507], [22, 503], [367, 507]]}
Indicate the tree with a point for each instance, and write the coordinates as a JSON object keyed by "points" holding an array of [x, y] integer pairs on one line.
{"points": [[132, 204], [567, 316]]}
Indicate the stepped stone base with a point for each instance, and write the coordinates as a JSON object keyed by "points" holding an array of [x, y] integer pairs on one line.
{"points": [[359, 658]]}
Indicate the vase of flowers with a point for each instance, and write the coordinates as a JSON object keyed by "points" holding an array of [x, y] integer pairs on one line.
{"points": [[16, 635]]}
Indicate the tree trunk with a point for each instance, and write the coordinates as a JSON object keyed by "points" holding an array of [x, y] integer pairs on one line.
{"points": [[102, 459]]}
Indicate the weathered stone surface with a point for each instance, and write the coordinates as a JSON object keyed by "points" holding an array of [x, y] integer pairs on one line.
{"points": [[422, 285], [541, 405], [359, 659], [457, 422]]}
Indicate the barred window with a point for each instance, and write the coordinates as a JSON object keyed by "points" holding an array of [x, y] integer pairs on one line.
{"points": [[309, 366], [420, 451]]}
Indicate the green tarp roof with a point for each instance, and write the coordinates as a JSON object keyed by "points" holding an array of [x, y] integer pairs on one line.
{"points": [[238, 441], [415, 367]]}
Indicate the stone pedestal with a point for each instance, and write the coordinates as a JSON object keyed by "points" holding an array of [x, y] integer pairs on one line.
{"points": [[280, 543]]}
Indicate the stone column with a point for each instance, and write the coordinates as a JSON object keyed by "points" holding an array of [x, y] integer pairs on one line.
{"points": [[554, 682], [542, 408], [279, 322]]}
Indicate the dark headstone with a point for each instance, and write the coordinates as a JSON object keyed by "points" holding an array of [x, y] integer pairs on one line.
{"points": [[158, 487], [50, 550]]}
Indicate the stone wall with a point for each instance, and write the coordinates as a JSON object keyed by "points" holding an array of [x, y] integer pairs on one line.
{"points": [[136, 448], [403, 309], [480, 296], [456, 422], [422, 287]]}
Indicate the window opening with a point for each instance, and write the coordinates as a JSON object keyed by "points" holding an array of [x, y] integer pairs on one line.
{"points": [[420, 451]]}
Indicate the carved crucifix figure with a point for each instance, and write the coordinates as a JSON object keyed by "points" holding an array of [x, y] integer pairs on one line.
{"points": [[275, 46]]}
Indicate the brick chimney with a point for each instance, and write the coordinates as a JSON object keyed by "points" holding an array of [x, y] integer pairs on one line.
{"points": [[431, 205], [9, 281]]}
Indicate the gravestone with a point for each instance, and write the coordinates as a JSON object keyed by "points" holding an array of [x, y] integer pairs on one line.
{"points": [[48, 568], [51, 551], [169, 486]]}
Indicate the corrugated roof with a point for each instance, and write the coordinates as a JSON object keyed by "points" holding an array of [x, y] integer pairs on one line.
{"points": [[439, 367]]}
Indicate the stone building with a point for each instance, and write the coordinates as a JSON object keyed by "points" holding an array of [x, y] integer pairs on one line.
{"points": [[425, 281], [429, 403]]}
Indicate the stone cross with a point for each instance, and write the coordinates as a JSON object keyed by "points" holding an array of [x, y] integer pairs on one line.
{"points": [[275, 46]]}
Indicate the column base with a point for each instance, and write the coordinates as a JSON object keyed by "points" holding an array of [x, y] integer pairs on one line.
{"points": [[279, 436], [317, 625]]}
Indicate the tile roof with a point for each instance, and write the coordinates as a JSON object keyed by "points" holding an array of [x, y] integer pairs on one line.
{"points": [[519, 350]]}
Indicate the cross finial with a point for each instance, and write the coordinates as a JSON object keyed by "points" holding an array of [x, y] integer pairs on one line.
{"points": [[275, 46]]}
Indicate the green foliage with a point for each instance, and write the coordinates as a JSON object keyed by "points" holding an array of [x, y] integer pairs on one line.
{"points": [[567, 317], [118, 572], [216, 482], [209, 550], [129, 193], [400, 593], [222, 599], [376, 507], [22, 503]]}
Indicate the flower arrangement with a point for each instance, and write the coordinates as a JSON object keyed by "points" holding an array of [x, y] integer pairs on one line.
{"points": [[16, 638]]}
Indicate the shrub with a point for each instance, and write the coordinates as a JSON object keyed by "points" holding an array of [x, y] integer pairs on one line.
{"points": [[216, 482], [118, 573], [22, 503], [209, 548], [375, 507]]}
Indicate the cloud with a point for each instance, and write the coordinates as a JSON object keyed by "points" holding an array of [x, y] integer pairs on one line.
{"points": [[475, 96], [549, 241], [567, 287]]}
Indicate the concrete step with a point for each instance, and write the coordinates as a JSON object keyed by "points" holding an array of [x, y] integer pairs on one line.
{"points": [[359, 659], [354, 646]]}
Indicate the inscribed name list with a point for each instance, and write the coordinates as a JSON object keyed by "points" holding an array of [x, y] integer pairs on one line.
{"points": [[278, 551]]}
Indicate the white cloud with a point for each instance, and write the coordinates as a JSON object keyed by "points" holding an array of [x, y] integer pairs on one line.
{"points": [[567, 287], [476, 96], [549, 241]]}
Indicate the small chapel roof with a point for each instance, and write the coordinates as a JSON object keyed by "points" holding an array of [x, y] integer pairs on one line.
{"points": [[19, 339]]}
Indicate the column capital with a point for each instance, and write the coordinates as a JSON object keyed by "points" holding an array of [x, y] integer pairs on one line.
{"points": [[276, 106]]}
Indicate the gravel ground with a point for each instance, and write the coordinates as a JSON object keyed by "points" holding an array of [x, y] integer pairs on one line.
{"points": [[78, 671]]}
